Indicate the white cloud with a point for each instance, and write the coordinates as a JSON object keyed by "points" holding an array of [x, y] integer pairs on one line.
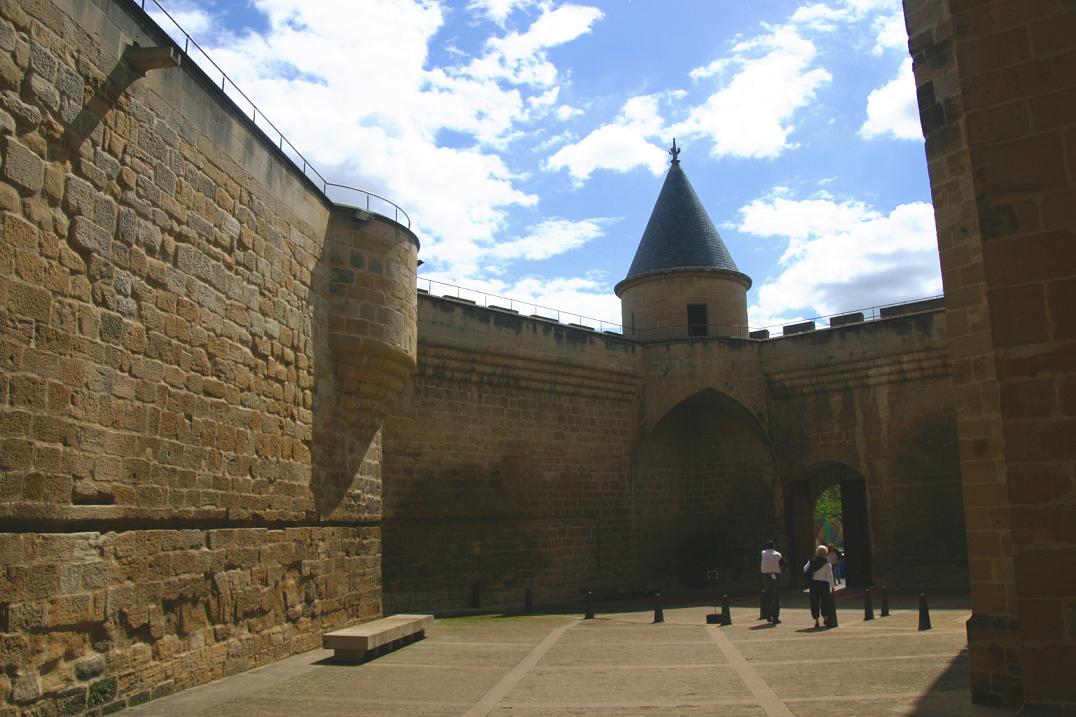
{"points": [[498, 10], [762, 84], [567, 112], [620, 146], [550, 238], [369, 113], [892, 109], [195, 21], [521, 59], [841, 256], [891, 33]]}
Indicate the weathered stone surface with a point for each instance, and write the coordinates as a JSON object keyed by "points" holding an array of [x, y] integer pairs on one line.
{"points": [[22, 167]]}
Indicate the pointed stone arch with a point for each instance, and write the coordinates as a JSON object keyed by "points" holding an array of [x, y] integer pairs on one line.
{"points": [[703, 493]]}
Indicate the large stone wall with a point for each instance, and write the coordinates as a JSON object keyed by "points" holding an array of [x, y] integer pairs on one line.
{"points": [[506, 460], [876, 397], [186, 326], [529, 454], [997, 97]]}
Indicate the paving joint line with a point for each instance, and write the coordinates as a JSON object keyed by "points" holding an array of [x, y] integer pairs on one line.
{"points": [[768, 700], [500, 690]]}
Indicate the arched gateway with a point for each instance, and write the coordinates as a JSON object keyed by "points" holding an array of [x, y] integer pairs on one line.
{"points": [[702, 493]]}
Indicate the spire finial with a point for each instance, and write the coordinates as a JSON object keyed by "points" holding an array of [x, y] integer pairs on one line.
{"points": [[675, 152]]}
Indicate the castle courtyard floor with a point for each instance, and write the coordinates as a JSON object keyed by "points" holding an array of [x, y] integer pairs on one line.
{"points": [[621, 664]]}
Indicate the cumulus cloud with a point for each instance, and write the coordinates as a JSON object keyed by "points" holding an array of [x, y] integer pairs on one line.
{"points": [[892, 109], [761, 85], [551, 237], [841, 255], [891, 33], [498, 10], [521, 58], [567, 112], [369, 113], [620, 146]]}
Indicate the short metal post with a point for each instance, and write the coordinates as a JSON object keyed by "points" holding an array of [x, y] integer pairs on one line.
{"points": [[659, 614], [885, 601], [726, 613], [924, 613], [590, 607], [868, 605], [832, 612]]}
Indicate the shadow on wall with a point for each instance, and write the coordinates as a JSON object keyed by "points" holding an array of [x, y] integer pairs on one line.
{"points": [[702, 494], [365, 349]]}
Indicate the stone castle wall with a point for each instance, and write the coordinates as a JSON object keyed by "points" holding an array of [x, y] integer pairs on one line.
{"points": [[876, 397], [996, 87], [530, 454], [505, 460], [184, 322]]}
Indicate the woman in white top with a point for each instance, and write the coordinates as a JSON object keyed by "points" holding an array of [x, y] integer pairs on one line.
{"points": [[820, 573]]}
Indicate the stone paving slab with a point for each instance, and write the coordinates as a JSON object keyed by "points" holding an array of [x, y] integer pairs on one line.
{"points": [[620, 665]]}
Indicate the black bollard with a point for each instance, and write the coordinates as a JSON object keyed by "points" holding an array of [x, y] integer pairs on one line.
{"points": [[590, 607], [726, 614], [762, 606], [868, 605], [924, 613], [885, 601], [528, 602], [832, 605], [659, 615]]}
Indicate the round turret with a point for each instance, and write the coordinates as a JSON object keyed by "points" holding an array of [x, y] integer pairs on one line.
{"points": [[683, 282]]}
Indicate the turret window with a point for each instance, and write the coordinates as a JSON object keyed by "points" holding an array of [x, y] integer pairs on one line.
{"points": [[696, 320]]}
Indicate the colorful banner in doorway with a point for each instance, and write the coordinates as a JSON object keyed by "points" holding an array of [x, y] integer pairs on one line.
{"points": [[829, 530]]}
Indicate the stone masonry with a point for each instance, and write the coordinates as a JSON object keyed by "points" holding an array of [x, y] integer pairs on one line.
{"points": [[227, 425], [997, 97], [197, 352]]}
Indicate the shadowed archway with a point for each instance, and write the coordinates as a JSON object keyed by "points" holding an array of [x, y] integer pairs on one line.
{"points": [[703, 494], [801, 498]]}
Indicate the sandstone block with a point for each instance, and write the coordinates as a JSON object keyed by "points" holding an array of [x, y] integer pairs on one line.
{"points": [[90, 237], [26, 687], [21, 166]]}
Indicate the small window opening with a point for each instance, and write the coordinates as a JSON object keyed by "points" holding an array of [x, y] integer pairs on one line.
{"points": [[696, 320]]}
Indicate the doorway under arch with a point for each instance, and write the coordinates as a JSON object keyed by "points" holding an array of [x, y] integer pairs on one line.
{"points": [[802, 498], [703, 494]]}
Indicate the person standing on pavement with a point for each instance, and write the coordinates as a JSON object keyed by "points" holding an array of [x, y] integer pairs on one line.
{"points": [[772, 564], [820, 573], [834, 558]]}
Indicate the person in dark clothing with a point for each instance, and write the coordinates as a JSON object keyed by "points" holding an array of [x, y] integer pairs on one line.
{"points": [[820, 573]]}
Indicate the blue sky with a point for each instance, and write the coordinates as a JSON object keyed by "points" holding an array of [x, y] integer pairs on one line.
{"points": [[527, 138]]}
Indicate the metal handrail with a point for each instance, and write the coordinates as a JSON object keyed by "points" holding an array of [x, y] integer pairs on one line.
{"points": [[482, 298], [397, 209], [307, 167], [510, 304]]}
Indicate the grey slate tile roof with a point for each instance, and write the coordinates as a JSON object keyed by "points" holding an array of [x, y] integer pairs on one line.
{"points": [[679, 234]]}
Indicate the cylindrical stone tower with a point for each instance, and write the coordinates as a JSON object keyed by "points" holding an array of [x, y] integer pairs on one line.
{"points": [[683, 282]]}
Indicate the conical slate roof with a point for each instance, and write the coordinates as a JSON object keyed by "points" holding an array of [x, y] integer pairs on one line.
{"points": [[679, 234]]}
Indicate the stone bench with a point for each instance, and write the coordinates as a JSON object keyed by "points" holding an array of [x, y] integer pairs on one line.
{"points": [[360, 642]]}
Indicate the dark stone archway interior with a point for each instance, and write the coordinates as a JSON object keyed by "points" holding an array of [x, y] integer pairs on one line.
{"points": [[703, 494]]}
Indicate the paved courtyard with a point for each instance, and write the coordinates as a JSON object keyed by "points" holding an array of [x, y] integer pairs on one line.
{"points": [[621, 664]]}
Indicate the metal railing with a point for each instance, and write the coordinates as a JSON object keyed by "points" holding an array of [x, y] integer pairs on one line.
{"points": [[526, 308], [662, 333], [263, 123]]}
